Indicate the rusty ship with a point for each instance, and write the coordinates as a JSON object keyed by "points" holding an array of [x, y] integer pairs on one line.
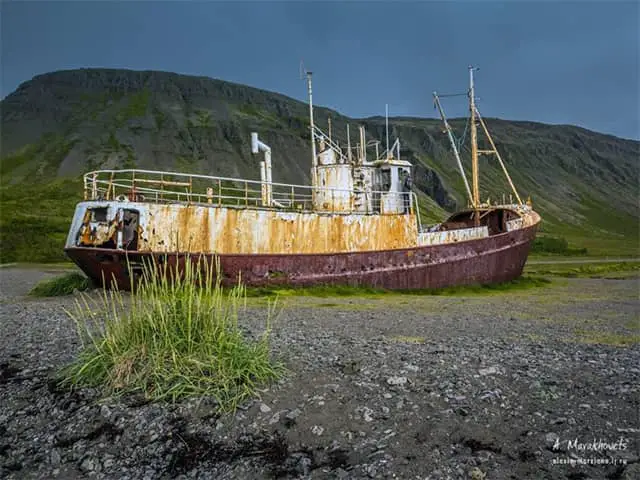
{"points": [[358, 223]]}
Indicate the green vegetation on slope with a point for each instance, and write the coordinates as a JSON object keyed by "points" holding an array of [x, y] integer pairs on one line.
{"points": [[37, 161], [545, 244], [35, 219]]}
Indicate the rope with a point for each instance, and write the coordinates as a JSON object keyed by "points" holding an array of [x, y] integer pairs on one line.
{"points": [[464, 135]]}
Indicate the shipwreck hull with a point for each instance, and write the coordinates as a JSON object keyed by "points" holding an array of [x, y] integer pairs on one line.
{"points": [[493, 259]]}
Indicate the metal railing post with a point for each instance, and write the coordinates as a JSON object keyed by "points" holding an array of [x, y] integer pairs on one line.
{"points": [[110, 186]]}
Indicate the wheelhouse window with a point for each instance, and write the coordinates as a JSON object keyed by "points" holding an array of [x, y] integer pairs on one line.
{"points": [[99, 214], [385, 176]]}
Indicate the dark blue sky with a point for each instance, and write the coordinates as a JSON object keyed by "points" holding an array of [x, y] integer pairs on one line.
{"points": [[570, 62]]}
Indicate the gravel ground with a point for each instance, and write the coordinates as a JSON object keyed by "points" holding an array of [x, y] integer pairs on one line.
{"points": [[484, 387]]}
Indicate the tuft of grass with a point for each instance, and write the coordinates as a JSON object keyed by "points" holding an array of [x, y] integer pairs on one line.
{"points": [[177, 337], [61, 285]]}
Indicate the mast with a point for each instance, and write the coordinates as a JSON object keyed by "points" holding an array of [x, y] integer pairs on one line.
{"points": [[474, 143], [349, 145], [386, 117], [314, 160], [453, 145]]}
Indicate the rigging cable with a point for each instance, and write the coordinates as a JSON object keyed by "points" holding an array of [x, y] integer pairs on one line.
{"points": [[464, 135], [453, 95]]}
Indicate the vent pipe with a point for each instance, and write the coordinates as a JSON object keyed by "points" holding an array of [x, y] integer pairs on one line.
{"points": [[265, 168]]}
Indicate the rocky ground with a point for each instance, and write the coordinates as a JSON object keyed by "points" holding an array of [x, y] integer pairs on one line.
{"points": [[479, 387]]}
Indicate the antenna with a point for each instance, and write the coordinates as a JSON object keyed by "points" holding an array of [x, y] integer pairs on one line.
{"points": [[305, 73], [386, 116], [348, 144]]}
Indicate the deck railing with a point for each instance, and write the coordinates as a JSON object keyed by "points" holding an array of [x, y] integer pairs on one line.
{"points": [[171, 187]]}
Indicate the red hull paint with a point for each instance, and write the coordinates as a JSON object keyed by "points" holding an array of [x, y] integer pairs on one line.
{"points": [[493, 259]]}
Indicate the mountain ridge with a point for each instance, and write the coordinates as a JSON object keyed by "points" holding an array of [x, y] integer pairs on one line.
{"points": [[47, 75]]}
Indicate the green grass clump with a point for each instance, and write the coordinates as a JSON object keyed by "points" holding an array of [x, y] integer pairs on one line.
{"points": [[177, 337], [61, 285]]}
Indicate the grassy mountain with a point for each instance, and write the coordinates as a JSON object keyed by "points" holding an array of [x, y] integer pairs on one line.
{"points": [[59, 125]]}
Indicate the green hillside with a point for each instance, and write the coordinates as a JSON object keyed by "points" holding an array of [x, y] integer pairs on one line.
{"points": [[59, 125]]}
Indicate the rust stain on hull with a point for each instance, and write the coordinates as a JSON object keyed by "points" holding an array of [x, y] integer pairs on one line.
{"points": [[246, 231], [487, 260]]}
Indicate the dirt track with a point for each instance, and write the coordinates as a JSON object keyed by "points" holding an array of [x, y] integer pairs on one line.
{"points": [[383, 387]]}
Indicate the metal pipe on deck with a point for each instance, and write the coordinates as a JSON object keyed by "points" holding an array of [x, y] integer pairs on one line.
{"points": [[265, 168], [263, 186]]}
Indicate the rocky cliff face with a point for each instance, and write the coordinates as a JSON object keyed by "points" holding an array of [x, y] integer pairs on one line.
{"points": [[64, 123]]}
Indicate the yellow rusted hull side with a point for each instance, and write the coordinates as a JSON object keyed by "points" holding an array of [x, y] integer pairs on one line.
{"points": [[244, 231]]}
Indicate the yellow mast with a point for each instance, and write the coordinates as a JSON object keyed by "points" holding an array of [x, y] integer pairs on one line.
{"points": [[474, 142]]}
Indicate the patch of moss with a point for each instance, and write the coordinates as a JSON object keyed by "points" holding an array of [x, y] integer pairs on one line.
{"points": [[204, 118], [406, 339], [607, 338], [136, 106], [324, 291], [268, 119], [160, 117], [578, 270], [521, 283]]}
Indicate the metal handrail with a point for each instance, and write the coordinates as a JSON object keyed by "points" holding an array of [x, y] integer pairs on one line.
{"points": [[334, 146], [110, 184], [209, 177]]}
